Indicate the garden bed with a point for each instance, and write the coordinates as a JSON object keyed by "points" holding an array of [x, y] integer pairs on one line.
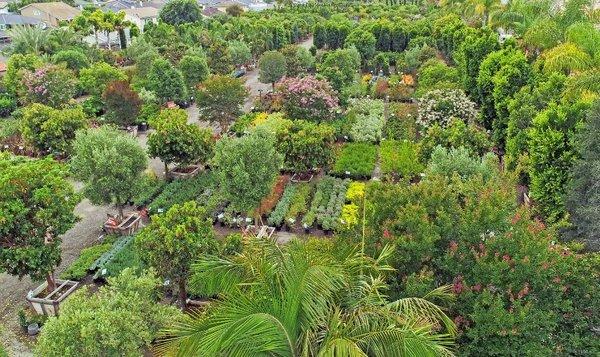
{"points": [[184, 172], [355, 160], [128, 226]]}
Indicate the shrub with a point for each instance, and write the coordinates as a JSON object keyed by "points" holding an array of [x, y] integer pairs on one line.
{"points": [[299, 204], [356, 160], [308, 98], [121, 103], [440, 106], [369, 122], [271, 200], [151, 187], [401, 123], [458, 133], [7, 105], [305, 145], [80, 267], [460, 161], [50, 85], [400, 158]]}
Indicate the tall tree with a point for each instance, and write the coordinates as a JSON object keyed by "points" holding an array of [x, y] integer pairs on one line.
{"points": [[166, 81], [271, 67], [110, 164], [36, 208], [178, 12], [247, 168], [122, 103], [176, 141], [583, 196], [173, 240], [220, 99]]}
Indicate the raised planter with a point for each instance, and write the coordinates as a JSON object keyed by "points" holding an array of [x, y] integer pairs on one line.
{"points": [[302, 177], [128, 226], [45, 303], [184, 172]]}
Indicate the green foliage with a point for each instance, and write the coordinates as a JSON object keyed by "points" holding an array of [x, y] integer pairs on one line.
{"points": [[401, 122], [74, 59], [51, 130], [50, 85], [368, 120], [582, 195], [36, 208], [440, 107], [176, 141], [181, 191], [110, 164], [178, 12], [305, 145], [271, 67], [356, 160], [456, 134], [150, 188], [277, 216], [194, 69], [166, 81], [298, 60], [246, 168], [121, 103], [172, 241], [299, 203], [240, 53], [471, 53], [459, 161], [363, 41], [553, 153], [340, 67], [14, 66], [95, 78], [400, 158], [435, 74], [79, 268], [8, 104], [220, 99], [120, 319]]}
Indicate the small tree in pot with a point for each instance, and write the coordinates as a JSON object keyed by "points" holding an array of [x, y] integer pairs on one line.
{"points": [[176, 141], [36, 207], [174, 240], [110, 164]]}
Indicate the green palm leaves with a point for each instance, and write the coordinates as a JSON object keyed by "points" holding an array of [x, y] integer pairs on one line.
{"points": [[304, 300]]}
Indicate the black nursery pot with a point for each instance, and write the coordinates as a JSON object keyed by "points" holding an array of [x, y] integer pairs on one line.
{"points": [[307, 230], [142, 127]]}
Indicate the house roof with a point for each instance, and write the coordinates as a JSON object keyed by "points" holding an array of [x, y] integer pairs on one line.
{"points": [[211, 11], [14, 19], [57, 9], [3, 4], [143, 12]]}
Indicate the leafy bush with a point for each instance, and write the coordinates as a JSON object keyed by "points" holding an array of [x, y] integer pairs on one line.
{"points": [[233, 244], [278, 214], [180, 191], [400, 158], [460, 161], [126, 257], [440, 106], [401, 123], [150, 187], [369, 122], [80, 267], [7, 105], [308, 98], [356, 160], [456, 134]]}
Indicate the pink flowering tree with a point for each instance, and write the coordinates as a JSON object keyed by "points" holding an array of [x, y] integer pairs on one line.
{"points": [[51, 85], [308, 98]]}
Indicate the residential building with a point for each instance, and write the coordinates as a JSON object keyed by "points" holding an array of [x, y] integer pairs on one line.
{"points": [[52, 13], [141, 16], [7, 21]]}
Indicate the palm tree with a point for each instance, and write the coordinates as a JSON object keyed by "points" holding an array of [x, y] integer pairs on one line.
{"points": [[28, 39], [303, 300], [566, 58]]}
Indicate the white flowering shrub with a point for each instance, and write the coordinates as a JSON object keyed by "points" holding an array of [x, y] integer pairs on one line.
{"points": [[441, 105]]}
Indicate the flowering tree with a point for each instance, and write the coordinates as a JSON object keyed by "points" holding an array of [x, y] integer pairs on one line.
{"points": [[440, 106], [308, 98], [50, 85]]}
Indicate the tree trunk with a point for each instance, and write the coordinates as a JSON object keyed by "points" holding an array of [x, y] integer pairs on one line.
{"points": [[182, 294], [51, 282], [166, 169], [108, 40], [122, 39], [96, 36], [120, 208]]}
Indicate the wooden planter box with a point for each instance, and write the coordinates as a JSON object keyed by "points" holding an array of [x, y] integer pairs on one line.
{"points": [[261, 232], [184, 172], [129, 225], [48, 304], [301, 178]]}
